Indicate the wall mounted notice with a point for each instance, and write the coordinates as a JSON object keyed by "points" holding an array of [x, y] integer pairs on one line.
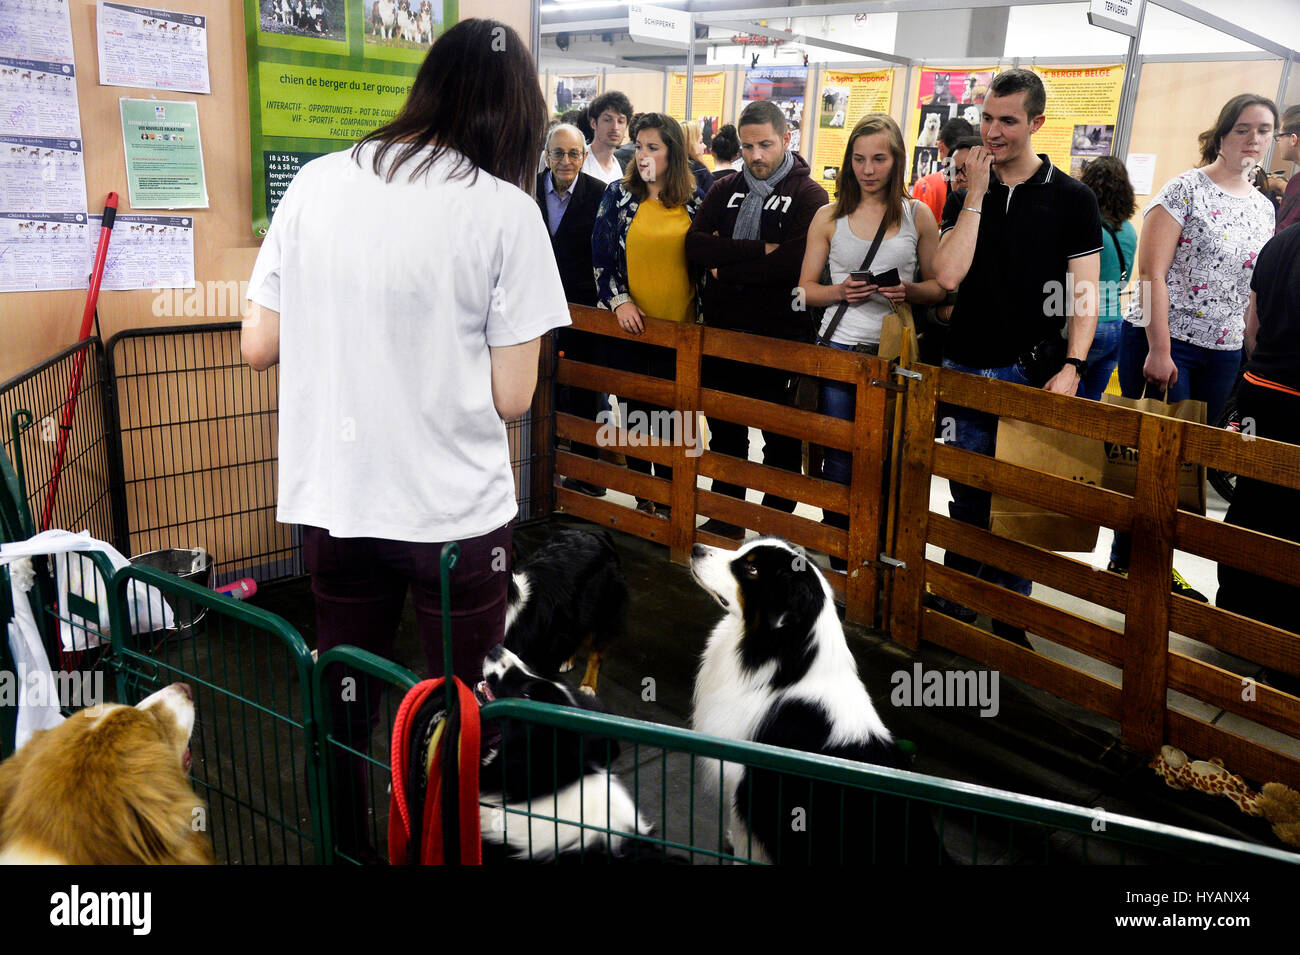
{"points": [[36, 30], [164, 156], [146, 252], [157, 49], [41, 175], [324, 73], [846, 96], [38, 98], [42, 251], [1141, 172]]}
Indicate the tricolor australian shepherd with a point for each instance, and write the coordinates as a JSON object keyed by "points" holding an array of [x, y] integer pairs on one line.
{"points": [[778, 670], [570, 594], [107, 786], [553, 774]]}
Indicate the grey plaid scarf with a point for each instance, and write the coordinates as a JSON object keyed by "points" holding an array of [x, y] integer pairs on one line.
{"points": [[751, 209]]}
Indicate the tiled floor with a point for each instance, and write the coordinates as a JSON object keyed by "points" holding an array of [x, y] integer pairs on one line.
{"points": [[1199, 572]]}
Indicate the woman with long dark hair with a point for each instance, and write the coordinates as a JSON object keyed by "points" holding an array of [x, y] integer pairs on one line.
{"points": [[1108, 178], [403, 288], [1200, 237], [638, 250], [872, 201]]}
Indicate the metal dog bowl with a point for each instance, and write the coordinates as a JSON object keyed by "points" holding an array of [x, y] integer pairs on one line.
{"points": [[194, 565]]}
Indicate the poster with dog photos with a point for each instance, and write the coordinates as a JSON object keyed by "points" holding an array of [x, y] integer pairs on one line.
{"points": [[1082, 110], [36, 30], [41, 175], [943, 93], [152, 252], [38, 98], [43, 251], [153, 49]]}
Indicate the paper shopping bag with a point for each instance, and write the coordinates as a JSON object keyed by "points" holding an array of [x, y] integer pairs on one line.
{"points": [[1066, 455], [898, 335], [1120, 473]]}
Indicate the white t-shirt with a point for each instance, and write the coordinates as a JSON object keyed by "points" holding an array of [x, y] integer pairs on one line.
{"points": [[389, 296], [1209, 279], [592, 167]]}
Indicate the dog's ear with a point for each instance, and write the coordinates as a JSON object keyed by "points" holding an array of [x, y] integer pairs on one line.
{"points": [[168, 826]]}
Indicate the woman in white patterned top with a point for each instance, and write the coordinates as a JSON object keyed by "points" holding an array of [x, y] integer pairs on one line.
{"points": [[1196, 257], [1200, 237]]}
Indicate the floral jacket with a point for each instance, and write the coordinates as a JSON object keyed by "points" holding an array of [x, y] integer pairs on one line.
{"points": [[609, 246]]}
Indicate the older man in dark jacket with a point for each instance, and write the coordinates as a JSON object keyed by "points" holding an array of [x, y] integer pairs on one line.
{"points": [[569, 199], [750, 234]]}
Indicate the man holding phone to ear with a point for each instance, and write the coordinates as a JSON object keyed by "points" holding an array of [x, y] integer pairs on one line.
{"points": [[1023, 255]]}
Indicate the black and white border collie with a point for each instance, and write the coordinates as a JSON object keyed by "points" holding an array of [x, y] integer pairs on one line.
{"points": [[569, 594], [552, 773], [778, 670]]}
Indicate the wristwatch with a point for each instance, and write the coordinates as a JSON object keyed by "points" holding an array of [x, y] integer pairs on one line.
{"points": [[1080, 365]]}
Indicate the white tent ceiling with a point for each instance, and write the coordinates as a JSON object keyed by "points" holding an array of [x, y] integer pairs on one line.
{"points": [[1034, 29]]}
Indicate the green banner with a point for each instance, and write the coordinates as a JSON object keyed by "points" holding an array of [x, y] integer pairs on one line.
{"points": [[320, 79]]}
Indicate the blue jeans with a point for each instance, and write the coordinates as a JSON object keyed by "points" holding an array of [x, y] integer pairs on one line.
{"points": [[976, 431], [1103, 356], [1204, 374], [837, 399]]}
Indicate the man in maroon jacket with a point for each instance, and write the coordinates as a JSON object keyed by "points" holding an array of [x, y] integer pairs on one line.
{"points": [[1288, 150], [750, 234]]}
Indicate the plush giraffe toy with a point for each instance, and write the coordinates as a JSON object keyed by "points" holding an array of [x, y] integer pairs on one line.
{"points": [[1277, 803]]}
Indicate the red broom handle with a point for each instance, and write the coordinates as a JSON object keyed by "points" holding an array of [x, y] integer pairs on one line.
{"points": [[87, 318]]}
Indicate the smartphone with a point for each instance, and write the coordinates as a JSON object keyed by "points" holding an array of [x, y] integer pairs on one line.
{"points": [[863, 275]]}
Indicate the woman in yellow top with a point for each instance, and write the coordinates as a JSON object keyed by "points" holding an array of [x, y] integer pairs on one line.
{"points": [[638, 250]]}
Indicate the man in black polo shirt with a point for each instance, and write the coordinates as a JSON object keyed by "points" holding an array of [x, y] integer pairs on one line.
{"points": [[1024, 255]]}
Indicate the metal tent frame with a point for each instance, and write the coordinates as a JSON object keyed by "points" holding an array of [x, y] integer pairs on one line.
{"points": [[747, 19]]}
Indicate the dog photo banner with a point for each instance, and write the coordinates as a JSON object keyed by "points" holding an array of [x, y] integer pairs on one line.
{"points": [[844, 98], [322, 74], [943, 93]]}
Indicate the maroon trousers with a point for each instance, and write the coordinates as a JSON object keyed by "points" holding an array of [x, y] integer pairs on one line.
{"points": [[360, 586]]}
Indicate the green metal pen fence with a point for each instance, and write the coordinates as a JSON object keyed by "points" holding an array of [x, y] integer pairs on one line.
{"points": [[291, 755], [253, 751]]}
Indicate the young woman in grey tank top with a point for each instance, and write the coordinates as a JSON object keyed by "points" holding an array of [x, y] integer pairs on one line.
{"points": [[870, 184]]}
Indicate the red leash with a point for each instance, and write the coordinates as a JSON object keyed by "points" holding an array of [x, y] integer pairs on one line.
{"points": [[87, 317], [400, 822]]}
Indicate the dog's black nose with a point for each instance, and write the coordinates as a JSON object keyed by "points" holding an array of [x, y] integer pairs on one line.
{"points": [[699, 550]]}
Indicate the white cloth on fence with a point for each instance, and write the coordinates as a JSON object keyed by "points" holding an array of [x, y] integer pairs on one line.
{"points": [[38, 702], [147, 608]]}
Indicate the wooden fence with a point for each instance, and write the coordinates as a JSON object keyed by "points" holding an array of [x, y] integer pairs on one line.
{"points": [[867, 436], [1141, 651]]}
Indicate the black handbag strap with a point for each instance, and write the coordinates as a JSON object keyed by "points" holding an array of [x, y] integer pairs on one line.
{"points": [[1123, 262], [844, 306]]}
